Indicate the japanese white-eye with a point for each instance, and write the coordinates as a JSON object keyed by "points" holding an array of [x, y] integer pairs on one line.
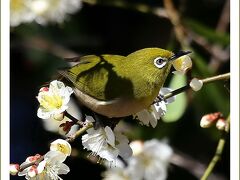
{"points": [[119, 86]]}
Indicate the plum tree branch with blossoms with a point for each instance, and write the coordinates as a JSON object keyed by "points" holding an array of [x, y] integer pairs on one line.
{"points": [[84, 127]]}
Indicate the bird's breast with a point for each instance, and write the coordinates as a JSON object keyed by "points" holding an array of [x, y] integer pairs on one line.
{"points": [[119, 107]]}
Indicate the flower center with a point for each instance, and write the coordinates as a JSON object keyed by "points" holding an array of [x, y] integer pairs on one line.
{"points": [[62, 148], [51, 102]]}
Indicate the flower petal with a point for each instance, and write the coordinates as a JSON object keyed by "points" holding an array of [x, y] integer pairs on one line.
{"points": [[125, 150], [54, 157], [41, 166], [144, 117], [161, 108], [63, 169], [110, 136]]}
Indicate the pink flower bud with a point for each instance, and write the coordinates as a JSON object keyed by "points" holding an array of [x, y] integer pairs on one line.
{"points": [[33, 171], [209, 119], [33, 158], [14, 169], [221, 124], [44, 89]]}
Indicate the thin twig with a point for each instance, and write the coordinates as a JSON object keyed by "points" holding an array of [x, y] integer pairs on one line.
{"points": [[42, 43], [185, 36], [214, 50], [225, 76], [218, 153], [79, 132], [222, 26], [176, 22], [75, 120], [192, 165], [31, 164]]}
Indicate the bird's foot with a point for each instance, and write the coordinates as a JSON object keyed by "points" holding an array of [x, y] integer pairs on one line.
{"points": [[158, 99]]}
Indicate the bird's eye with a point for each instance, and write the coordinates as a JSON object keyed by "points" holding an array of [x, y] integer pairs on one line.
{"points": [[160, 62]]}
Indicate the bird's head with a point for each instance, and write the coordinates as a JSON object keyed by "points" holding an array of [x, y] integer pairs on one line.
{"points": [[154, 62]]}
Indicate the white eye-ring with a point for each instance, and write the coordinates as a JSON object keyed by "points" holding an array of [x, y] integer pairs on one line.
{"points": [[160, 62]]}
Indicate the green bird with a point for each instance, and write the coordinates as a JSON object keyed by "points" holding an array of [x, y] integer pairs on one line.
{"points": [[119, 86]]}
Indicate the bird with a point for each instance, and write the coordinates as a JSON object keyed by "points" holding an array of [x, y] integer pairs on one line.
{"points": [[118, 86]]}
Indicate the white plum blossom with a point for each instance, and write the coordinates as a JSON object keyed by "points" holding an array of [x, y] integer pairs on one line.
{"points": [[149, 116], [150, 161], [54, 10], [101, 142], [20, 12], [122, 143], [62, 146], [182, 64], [105, 144], [42, 11], [122, 173], [155, 111], [116, 174], [48, 169], [153, 159], [53, 100]]}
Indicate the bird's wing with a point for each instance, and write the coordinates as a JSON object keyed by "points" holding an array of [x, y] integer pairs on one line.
{"points": [[97, 77]]}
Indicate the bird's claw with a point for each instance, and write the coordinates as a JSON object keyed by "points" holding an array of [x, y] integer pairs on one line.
{"points": [[158, 99]]}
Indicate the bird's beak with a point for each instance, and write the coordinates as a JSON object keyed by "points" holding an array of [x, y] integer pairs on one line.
{"points": [[179, 54]]}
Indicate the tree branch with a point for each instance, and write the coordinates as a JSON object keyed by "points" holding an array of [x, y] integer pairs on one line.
{"points": [[205, 81], [69, 139]]}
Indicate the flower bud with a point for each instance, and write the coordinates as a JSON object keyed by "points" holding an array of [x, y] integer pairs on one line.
{"points": [[14, 169], [33, 158], [196, 84], [33, 171], [182, 64], [209, 119], [44, 89], [221, 124], [137, 147]]}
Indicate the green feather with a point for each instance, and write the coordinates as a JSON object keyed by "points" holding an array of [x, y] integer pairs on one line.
{"points": [[109, 77]]}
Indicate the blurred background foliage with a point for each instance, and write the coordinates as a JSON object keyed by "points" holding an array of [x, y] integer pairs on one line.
{"points": [[121, 27]]}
